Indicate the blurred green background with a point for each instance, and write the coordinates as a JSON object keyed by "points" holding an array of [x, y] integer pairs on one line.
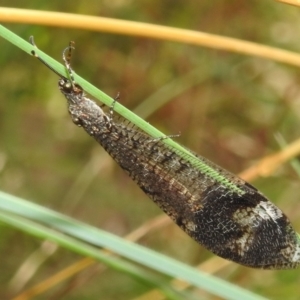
{"points": [[229, 112]]}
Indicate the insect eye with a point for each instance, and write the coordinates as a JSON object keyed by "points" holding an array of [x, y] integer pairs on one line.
{"points": [[68, 85], [61, 83]]}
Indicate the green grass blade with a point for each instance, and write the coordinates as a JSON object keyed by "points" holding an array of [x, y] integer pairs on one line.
{"points": [[124, 248], [74, 245], [127, 114]]}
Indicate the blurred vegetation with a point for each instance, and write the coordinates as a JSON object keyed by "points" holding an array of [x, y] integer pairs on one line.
{"points": [[230, 115]]}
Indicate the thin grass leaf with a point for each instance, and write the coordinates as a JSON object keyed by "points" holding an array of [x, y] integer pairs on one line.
{"points": [[99, 95], [74, 245], [127, 249]]}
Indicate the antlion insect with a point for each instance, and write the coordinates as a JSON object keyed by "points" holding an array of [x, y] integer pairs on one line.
{"points": [[216, 208]]}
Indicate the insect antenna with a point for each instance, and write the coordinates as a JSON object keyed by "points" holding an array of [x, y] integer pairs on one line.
{"points": [[67, 61]]}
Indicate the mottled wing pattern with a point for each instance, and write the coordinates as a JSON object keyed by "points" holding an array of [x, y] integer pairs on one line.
{"points": [[243, 227], [216, 208]]}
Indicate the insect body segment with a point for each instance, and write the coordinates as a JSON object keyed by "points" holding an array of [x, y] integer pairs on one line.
{"points": [[221, 211]]}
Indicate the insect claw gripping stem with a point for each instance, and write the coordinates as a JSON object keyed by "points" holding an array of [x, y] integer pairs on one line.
{"points": [[111, 109], [219, 210]]}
